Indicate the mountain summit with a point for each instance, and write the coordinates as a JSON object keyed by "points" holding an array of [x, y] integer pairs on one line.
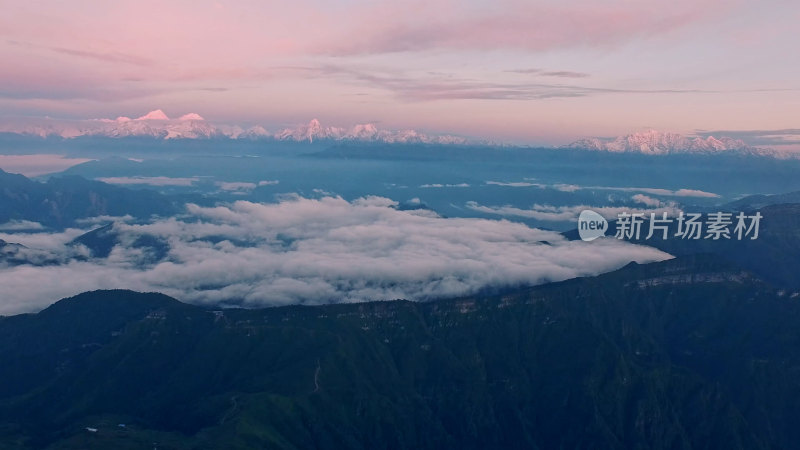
{"points": [[156, 124], [154, 115], [654, 142], [191, 116]]}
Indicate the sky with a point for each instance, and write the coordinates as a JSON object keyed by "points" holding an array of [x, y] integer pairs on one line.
{"points": [[524, 71]]}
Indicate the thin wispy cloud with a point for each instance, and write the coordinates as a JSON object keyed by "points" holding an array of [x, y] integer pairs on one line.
{"points": [[426, 87], [110, 56], [151, 181], [551, 213], [550, 73], [527, 26], [114, 57], [446, 185], [563, 187]]}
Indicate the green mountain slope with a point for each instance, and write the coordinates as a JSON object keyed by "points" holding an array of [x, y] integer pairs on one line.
{"points": [[689, 353]]}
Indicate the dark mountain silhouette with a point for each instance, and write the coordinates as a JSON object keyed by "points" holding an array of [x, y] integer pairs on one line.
{"points": [[773, 256], [687, 353], [61, 201]]}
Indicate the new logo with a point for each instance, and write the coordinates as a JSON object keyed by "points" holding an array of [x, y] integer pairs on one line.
{"points": [[591, 225]]}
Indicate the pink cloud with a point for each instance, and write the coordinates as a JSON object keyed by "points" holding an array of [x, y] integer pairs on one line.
{"points": [[165, 40], [520, 25], [254, 59]]}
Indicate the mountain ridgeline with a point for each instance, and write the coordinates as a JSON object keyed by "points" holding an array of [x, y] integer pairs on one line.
{"points": [[61, 201], [687, 353], [773, 256]]}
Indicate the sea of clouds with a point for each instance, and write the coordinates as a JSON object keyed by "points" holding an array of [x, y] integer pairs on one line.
{"points": [[307, 251]]}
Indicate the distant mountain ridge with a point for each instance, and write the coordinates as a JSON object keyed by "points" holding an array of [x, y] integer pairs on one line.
{"points": [[61, 201], [654, 142], [156, 124], [778, 240]]}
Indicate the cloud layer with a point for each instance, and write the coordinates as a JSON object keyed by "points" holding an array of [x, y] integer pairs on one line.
{"points": [[571, 213], [573, 188], [35, 165], [312, 251]]}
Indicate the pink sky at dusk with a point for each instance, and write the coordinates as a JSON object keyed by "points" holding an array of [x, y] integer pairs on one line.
{"points": [[539, 72]]}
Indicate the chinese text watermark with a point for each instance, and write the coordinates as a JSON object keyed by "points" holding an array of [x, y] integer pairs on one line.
{"points": [[638, 226]]}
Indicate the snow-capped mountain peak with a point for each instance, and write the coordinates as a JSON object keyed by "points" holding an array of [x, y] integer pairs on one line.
{"points": [[191, 116], [156, 124], [312, 131], [653, 142], [364, 131], [154, 115]]}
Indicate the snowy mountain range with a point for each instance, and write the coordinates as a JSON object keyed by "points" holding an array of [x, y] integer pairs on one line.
{"points": [[653, 142], [156, 124]]}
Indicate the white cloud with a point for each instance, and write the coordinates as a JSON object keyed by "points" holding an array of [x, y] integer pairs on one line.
{"points": [[152, 181], [235, 185], [319, 251], [694, 193], [103, 220], [241, 187], [53, 242], [657, 191], [438, 185], [35, 165], [567, 187], [515, 184], [565, 213], [21, 225], [574, 188], [645, 200]]}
